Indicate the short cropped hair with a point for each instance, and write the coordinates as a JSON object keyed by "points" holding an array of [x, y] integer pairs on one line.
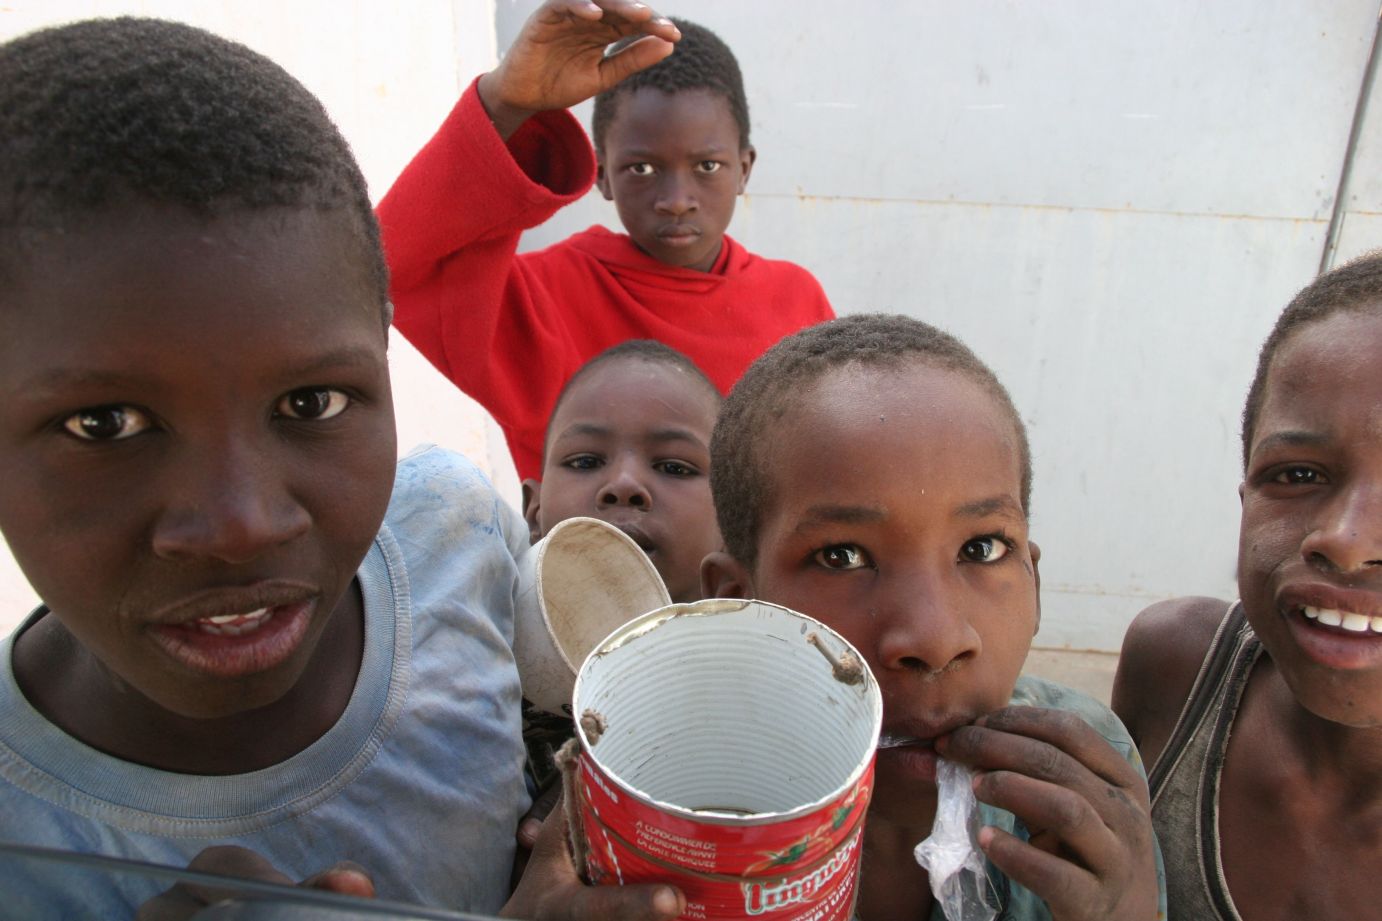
{"points": [[740, 479], [1352, 287], [107, 112], [646, 350], [700, 61]]}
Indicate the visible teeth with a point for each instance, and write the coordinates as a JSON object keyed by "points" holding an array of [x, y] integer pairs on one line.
{"points": [[233, 624], [228, 618], [1358, 623], [1354, 623]]}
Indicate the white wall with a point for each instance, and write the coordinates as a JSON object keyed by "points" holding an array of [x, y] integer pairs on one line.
{"points": [[1109, 201], [387, 79]]}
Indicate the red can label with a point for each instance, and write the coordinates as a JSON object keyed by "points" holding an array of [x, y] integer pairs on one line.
{"points": [[799, 869]]}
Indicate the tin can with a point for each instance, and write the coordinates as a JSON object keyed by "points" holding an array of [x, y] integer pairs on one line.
{"points": [[584, 579], [727, 748]]}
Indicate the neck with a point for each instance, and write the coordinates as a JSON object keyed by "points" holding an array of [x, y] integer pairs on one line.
{"points": [[892, 884], [1330, 754], [77, 692]]}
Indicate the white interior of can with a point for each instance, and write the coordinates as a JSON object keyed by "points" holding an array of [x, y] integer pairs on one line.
{"points": [[733, 712]]}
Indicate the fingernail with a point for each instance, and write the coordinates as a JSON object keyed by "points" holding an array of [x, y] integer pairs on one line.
{"points": [[665, 902]]}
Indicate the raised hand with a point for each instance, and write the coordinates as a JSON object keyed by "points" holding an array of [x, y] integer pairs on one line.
{"points": [[1090, 856], [559, 58]]}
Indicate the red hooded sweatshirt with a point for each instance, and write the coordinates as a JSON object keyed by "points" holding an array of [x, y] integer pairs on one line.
{"points": [[510, 329]]}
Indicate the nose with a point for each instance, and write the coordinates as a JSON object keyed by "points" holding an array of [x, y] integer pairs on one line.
{"points": [[231, 506], [676, 195], [921, 630], [624, 484], [1347, 535]]}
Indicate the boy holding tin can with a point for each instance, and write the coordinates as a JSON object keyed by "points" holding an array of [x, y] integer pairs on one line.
{"points": [[872, 473]]}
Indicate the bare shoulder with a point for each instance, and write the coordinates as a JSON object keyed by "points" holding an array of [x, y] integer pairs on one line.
{"points": [[1161, 655]]}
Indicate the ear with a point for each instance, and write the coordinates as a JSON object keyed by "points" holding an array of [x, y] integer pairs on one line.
{"points": [[602, 179], [532, 501], [747, 156], [1035, 552], [722, 576]]}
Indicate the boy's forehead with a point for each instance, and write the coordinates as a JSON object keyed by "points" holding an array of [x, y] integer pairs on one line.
{"points": [[617, 387], [156, 267], [649, 117], [146, 236], [1326, 366], [893, 415]]}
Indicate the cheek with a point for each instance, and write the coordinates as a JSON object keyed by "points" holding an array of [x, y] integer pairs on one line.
{"points": [[1266, 539], [69, 539]]}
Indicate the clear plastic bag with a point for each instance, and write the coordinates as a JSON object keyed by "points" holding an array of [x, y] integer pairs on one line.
{"points": [[951, 855]]}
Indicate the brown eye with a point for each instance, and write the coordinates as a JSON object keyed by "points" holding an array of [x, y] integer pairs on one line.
{"points": [[842, 557], [583, 462], [106, 423], [675, 468], [983, 550], [1299, 476], [314, 403]]}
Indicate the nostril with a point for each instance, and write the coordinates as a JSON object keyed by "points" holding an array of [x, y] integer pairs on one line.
{"points": [[635, 499]]}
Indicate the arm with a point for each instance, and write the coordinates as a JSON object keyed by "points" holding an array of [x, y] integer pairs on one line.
{"points": [[506, 158]]}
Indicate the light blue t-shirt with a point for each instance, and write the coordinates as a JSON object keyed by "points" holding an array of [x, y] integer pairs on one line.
{"points": [[420, 781], [1013, 901]]}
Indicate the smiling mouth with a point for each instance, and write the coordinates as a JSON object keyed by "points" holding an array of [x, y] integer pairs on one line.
{"points": [[1343, 620]]}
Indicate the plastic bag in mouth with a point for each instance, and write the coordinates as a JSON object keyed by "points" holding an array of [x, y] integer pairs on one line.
{"points": [[951, 855]]}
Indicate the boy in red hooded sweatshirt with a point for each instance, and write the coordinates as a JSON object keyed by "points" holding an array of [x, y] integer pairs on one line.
{"points": [[671, 150]]}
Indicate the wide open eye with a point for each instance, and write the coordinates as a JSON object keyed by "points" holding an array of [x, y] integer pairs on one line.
{"points": [[842, 557], [989, 549], [640, 169], [106, 423], [314, 403], [709, 166]]}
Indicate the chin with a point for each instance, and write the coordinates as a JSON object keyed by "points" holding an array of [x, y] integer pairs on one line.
{"points": [[1347, 703]]}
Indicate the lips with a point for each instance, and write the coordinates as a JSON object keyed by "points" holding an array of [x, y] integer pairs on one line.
{"points": [[908, 747], [678, 234], [1336, 628], [233, 633], [638, 535]]}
